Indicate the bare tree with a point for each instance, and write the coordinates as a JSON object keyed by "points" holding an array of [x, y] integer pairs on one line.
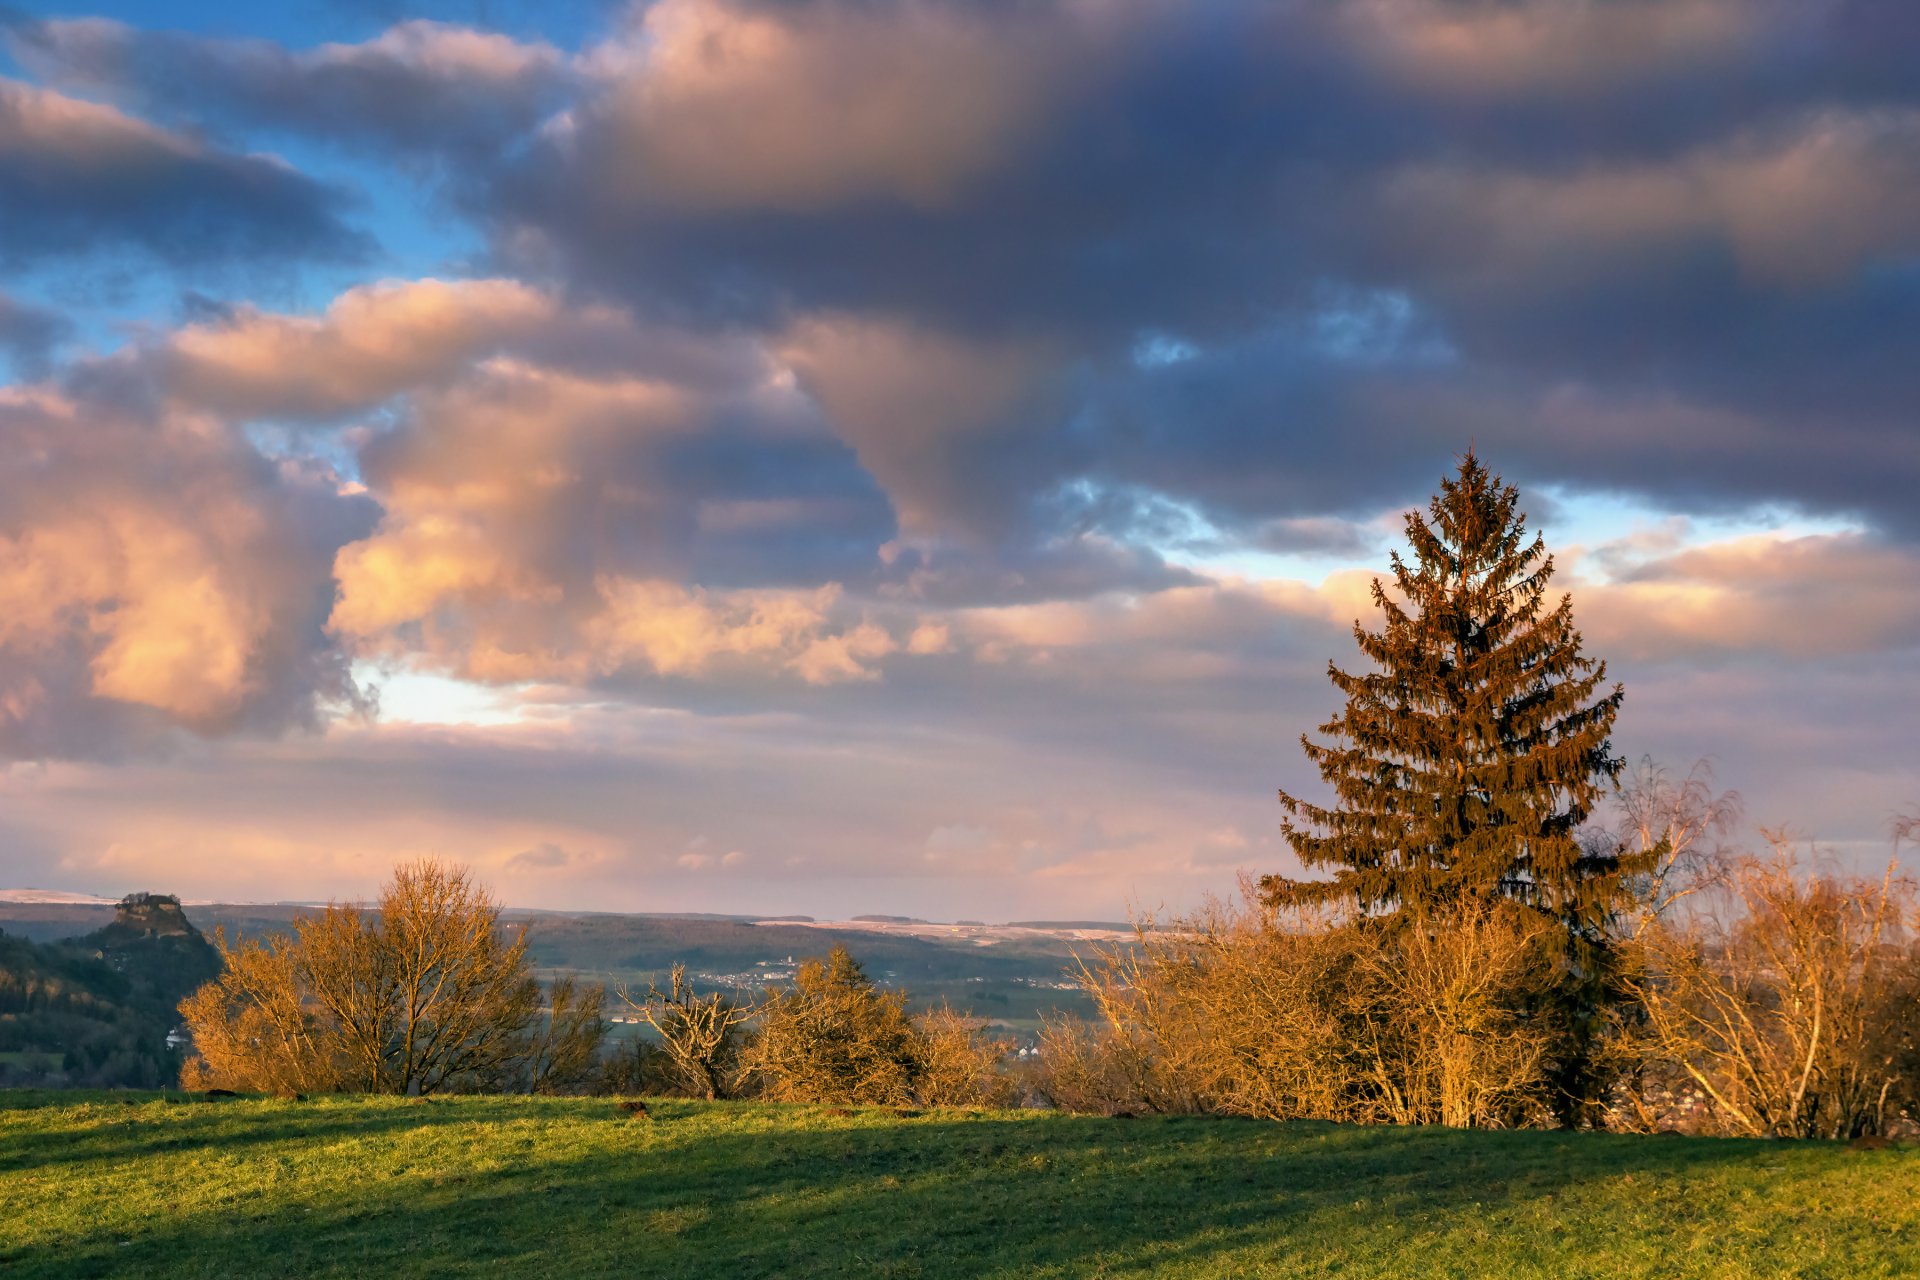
{"points": [[463, 992], [427, 993], [1684, 820], [702, 1035], [1786, 1010]]}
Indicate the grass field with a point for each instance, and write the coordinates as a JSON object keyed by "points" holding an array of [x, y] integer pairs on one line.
{"points": [[163, 1186]]}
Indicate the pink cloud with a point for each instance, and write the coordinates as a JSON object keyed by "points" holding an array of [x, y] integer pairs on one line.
{"points": [[717, 104], [1797, 205], [155, 574]]}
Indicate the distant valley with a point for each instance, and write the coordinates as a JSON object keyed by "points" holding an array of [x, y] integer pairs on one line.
{"points": [[1011, 974]]}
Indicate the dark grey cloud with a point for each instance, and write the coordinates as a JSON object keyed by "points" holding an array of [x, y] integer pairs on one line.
{"points": [[420, 86], [1377, 231], [29, 333], [1701, 216], [79, 178]]}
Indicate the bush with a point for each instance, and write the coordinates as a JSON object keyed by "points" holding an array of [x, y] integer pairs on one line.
{"points": [[1242, 1011], [960, 1065], [834, 1037], [702, 1037], [424, 995], [1787, 1002]]}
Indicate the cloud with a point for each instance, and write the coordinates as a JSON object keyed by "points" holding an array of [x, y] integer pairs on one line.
{"points": [[1795, 206], [28, 334], [727, 104], [1370, 232], [544, 857], [419, 86], [934, 417], [371, 343], [1789, 599], [1493, 49], [77, 177], [843, 387], [541, 518], [158, 577]]}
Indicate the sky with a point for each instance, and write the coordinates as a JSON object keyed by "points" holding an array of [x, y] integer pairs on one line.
{"points": [[915, 456]]}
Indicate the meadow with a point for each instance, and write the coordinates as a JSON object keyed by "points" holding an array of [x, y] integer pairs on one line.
{"points": [[177, 1185]]}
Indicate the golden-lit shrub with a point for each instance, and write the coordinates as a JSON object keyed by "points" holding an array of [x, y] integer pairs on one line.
{"points": [[834, 1037], [960, 1063], [1243, 1011], [425, 994], [1786, 999], [255, 1031], [1439, 1009]]}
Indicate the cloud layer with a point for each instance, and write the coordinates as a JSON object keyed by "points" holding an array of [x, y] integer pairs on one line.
{"points": [[965, 429]]}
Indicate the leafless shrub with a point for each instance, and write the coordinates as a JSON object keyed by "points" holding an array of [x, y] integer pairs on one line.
{"points": [[1790, 1008], [1245, 1012], [701, 1035], [1097, 1068], [1440, 1007], [254, 1029], [961, 1064], [426, 994]]}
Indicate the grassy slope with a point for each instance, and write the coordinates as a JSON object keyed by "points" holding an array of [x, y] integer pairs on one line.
{"points": [[113, 1185]]}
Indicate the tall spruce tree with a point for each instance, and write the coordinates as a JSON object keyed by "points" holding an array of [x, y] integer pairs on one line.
{"points": [[1466, 762]]}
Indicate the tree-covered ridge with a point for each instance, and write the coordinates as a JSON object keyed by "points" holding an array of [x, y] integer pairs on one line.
{"points": [[1465, 763], [96, 1010]]}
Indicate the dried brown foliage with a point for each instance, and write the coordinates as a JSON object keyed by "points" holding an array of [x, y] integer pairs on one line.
{"points": [[1442, 1008], [254, 1029], [1242, 1011], [961, 1063], [834, 1037], [425, 994], [1788, 1001]]}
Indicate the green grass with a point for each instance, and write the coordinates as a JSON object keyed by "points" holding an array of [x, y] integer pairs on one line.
{"points": [[162, 1186]]}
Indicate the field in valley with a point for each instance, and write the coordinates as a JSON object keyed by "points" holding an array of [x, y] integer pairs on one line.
{"points": [[172, 1185]]}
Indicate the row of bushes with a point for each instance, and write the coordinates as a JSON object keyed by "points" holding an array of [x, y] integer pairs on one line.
{"points": [[428, 994], [1778, 1001], [1775, 1001], [831, 1037], [1747, 995]]}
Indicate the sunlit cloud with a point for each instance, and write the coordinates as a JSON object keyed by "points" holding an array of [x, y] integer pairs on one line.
{"points": [[916, 455]]}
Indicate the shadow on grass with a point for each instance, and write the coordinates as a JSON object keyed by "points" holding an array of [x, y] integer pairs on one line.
{"points": [[758, 1191], [109, 1128]]}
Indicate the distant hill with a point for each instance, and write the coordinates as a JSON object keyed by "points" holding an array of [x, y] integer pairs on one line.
{"points": [[96, 1010], [1059, 926], [1013, 976]]}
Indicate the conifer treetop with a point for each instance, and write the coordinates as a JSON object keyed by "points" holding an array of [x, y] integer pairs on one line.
{"points": [[1465, 761]]}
